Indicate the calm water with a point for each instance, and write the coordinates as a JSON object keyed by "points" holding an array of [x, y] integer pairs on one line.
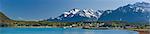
{"points": [[61, 31]]}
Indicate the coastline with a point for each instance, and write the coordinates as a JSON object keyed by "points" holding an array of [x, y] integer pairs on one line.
{"points": [[143, 31]]}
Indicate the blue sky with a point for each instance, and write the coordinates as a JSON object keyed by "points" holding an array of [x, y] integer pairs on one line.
{"points": [[43, 9]]}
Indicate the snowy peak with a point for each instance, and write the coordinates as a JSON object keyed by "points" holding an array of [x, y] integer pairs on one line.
{"points": [[74, 11], [70, 13], [87, 13], [84, 13], [142, 4], [142, 7], [138, 12], [137, 7], [139, 4], [76, 15]]}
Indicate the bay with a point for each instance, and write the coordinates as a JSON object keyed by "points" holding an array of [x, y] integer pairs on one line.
{"points": [[61, 31]]}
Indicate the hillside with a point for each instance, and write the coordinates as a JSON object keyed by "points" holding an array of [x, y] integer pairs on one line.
{"points": [[4, 18]]}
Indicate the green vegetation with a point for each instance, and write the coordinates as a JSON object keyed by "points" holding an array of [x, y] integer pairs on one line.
{"points": [[112, 24]]}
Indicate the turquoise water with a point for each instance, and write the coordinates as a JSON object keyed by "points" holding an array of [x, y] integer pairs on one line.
{"points": [[61, 31]]}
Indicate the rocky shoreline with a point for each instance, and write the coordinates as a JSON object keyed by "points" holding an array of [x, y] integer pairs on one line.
{"points": [[143, 31]]}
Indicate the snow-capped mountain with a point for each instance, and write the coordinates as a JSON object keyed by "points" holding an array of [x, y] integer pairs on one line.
{"points": [[138, 12], [77, 15]]}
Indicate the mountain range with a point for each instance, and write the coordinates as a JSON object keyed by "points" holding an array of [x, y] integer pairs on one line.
{"points": [[138, 12], [76, 15]]}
